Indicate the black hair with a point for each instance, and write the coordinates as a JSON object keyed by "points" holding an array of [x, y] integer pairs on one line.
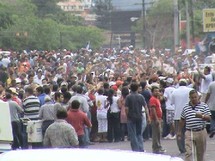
{"points": [[63, 89], [55, 87], [57, 95], [193, 92], [61, 114], [143, 84], [154, 88], [46, 90], [110, 96], [8, 95], [75, 104], [67, 95], [40, 89], [79, 89], [100, 91], [134, 86], [125, 91]]}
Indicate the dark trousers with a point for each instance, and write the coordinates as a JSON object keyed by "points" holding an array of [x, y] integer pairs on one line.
{"points": [[123, 130], [17, 135], [81, 140], [165, 126], [113, 133], [212, 123], [180, 141], [45, 125]]}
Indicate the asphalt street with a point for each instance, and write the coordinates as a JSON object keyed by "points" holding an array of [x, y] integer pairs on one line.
{"points": [[169, 145]]}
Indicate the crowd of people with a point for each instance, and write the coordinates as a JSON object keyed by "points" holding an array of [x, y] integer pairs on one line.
{"points": [[103, 96]]}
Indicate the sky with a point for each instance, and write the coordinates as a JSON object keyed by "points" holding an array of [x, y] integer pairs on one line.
{"points": [[128, 4]]}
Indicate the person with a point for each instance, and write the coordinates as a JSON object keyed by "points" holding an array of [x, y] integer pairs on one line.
{"points": [[78, 119], [180, 97], [60, 134], [211, 103], [101, 115], [195, 114], [113, 117], [15, 111], [146, 93], [31, 107], [207, 78], [47, 113], [169, 108], [123, 116], [156, 117], [135, 104], [31, 104]]}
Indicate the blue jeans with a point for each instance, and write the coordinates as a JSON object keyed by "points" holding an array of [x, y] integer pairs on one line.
{"points": [[135, 134], [212, 123], [181, 141]]}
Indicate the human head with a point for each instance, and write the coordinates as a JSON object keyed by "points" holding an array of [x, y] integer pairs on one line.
{"points": [[66, 96], [194, 97], [155, 91], [134, 86], [29, 91], [39, 90], [125, 91], [61, 114], [207, 70], [75, 104]]}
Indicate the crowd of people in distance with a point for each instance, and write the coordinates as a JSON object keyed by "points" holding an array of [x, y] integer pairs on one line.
{"points": [[110, 95]]}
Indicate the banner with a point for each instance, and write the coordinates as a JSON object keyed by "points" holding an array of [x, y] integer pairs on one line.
{"points": [[209, 20]]}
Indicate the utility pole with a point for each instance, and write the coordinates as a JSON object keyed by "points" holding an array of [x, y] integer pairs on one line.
{"points": [[144, 23], [176, 23], [187, 24]]}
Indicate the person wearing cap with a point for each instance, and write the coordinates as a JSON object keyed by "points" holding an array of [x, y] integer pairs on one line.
{"points": [[180, 97], [169, 107], [15, 97], [39, 77], [47, 113]]}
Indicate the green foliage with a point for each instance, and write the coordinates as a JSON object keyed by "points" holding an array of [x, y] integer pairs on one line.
{"points": [[159, 24], [22, 28]]}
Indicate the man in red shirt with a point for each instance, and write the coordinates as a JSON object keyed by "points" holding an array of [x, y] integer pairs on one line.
{"points": [[156, 116], [78, 120]]}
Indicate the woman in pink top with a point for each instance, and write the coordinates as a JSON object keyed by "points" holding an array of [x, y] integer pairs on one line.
{"points": [[123, 116]]}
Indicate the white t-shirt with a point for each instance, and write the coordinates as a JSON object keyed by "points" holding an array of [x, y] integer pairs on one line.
{"points": [[205, 83], [180, 97], [168, 95]]}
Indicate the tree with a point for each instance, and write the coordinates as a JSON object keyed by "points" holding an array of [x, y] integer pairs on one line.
{"points": [[26, 30], [158, 25], [46, 7]]}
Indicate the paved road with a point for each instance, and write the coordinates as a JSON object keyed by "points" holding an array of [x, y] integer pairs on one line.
{"points": [[169, 145]]}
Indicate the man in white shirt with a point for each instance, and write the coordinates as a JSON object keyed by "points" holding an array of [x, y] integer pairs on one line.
{"points": [[207, 78], [170, 109], [180, 97]]}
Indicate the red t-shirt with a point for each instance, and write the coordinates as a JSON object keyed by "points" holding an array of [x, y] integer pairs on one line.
{"points": [[156, 103], [78, 119]]}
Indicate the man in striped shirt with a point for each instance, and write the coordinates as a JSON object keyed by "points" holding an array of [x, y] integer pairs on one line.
{"points": [[31, 105], [195, 114]]}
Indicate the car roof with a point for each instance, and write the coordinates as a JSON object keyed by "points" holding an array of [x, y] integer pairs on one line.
{"points": [[81, 155]]}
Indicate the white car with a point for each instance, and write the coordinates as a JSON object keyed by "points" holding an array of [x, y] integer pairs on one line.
{"points": [[82, 155]]}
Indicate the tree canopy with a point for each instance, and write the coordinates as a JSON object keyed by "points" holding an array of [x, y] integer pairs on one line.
{"points": [[39, 24]]}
